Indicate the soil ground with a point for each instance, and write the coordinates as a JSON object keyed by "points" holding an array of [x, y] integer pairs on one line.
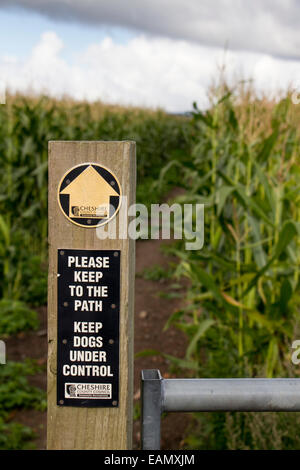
{"points": [[151, 313]]}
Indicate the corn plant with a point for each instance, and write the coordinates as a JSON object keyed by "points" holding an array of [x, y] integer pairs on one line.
{"points": [[244, 282], [26, 126]]}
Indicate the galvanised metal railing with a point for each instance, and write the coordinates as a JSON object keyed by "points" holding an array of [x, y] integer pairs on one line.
{"points": [[160, 395]]}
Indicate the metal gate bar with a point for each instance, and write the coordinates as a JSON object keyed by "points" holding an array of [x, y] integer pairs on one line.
{"points": [[159, 395]]}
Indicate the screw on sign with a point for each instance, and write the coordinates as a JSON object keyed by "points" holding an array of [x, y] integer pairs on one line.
{"points": [[90, 301]]}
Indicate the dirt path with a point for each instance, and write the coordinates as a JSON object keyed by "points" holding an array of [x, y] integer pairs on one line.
{"points": [[151, 313]]}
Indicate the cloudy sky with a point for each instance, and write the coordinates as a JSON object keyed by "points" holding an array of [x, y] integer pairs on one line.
{"points": [[156, 53]]}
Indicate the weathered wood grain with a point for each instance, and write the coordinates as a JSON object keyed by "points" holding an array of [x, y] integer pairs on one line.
{"points": [[91, 428]]}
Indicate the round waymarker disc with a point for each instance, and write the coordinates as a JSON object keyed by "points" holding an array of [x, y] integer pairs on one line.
{"points": [[89, 195]]}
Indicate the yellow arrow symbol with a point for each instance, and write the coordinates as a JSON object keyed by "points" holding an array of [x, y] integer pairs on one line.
{"points": [[89, 195]]}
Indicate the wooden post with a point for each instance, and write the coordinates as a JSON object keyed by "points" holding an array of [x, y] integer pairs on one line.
{"points": [[92, 421]]}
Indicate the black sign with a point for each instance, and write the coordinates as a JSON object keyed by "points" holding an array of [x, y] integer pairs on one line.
{"points": [[88, 284]]}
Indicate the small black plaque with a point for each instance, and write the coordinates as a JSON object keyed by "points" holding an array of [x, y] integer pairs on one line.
{"points": [[88, 284]]}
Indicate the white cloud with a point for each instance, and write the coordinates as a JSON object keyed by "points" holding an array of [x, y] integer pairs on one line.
{"points": [[267, 26], [156, 72]]}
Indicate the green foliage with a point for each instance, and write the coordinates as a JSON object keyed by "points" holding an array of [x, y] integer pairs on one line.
{"points": [[34, 281], [156, 273], [15, 316], [137, 411], [22, 265], [26, 126], [16, 393], [243, 301], [15, 436], [245, 431], [241, 159]]}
